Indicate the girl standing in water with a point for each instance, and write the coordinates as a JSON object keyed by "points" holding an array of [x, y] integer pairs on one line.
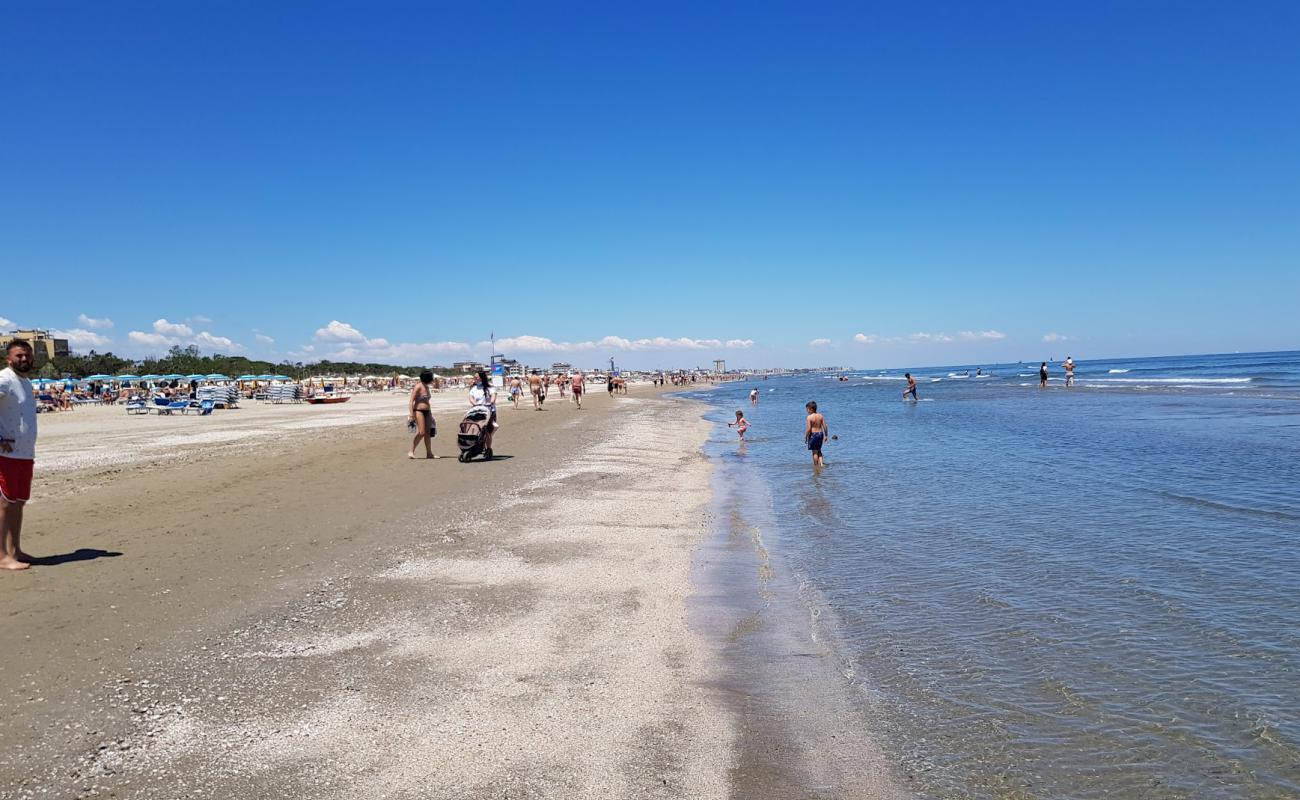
{"points": [[741, 424]]}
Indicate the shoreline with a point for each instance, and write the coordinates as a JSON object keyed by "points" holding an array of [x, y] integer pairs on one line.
{"points": [[236, 625], [249, 615], [804, 730]]}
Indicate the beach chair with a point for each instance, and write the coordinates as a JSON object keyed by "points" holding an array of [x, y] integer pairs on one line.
{"points": [[137, 406], [172, 407], [206, 406], [47, 402]]}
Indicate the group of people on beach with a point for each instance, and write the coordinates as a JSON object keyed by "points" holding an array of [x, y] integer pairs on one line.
{"points": [[483, 393]]}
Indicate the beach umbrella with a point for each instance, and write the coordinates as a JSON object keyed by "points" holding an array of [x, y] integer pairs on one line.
{"points": [[216, 377], [100, 378], [175, 376], [281, 378], [248, 378], [150, 377], [128, 377], [196, 377]]}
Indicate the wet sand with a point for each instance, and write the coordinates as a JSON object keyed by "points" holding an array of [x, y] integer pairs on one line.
{"points": [[281, 603]]}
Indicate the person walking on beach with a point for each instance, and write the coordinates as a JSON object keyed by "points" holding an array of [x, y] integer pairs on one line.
{"points": [[579, 386], [17, 450], [1069, 371], [741, 424], [535, 386], [814, 433], [1042, 375], [609, 385], [911, 386], [483, 393], [516, 390], [420, 418]]}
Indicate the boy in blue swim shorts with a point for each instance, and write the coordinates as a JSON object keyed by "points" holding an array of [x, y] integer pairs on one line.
{"points": [[815, 433]]}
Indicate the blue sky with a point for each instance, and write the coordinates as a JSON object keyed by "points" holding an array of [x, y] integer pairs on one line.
{"points": [[902, 184]]}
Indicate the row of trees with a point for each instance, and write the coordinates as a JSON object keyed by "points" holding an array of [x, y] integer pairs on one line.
{"points": [[188, 360]]}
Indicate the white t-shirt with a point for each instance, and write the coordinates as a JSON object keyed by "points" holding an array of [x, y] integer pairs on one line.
{"points": [[17, 415], [478, 397]]}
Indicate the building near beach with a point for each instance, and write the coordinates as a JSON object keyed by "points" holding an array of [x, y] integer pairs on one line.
{"points": [[46, 347]]}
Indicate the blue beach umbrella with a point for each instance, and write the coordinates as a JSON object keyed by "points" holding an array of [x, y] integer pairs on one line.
{"points": [[215, 377], [196, 377], [266, 377], [247, 378], [150, 377], [128, 377], [100, 378], [281, 378], [175, 376]]}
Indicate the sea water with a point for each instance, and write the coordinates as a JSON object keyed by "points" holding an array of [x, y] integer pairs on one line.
{"points": [[1053, 593]]}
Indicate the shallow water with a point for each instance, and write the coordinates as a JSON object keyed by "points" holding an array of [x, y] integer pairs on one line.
{"points": [[1061, 593]]}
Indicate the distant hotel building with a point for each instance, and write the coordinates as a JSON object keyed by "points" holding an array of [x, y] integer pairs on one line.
{"points": [[468, 366], [560, 366], [45, 346]]}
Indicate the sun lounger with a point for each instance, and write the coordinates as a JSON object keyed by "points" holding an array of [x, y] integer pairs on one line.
{"points": [[206, 406], [172, 407], [137, 407]]}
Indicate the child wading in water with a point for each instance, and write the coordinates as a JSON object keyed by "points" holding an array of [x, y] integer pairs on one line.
{"points": [[814, 433], [741, 424]]}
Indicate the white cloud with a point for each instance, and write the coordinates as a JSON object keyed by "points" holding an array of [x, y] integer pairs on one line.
{"points": [[263, 338], [930, 337], [823, 342], [173, 329], [177, 334], [205, 339], [7, 323], [541, 344], [79, 338], [91, 322], [150, 339], [200, 319], [1055, 337], [353, 345], [339, 332]]}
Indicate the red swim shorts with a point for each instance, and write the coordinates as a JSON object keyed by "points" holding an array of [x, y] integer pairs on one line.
{"points": [[16, 478]]}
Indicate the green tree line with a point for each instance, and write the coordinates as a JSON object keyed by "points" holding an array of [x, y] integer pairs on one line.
{"points": [[188, 361]]}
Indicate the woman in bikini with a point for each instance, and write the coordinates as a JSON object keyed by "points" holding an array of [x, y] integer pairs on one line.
{"points": [[421, 417]]}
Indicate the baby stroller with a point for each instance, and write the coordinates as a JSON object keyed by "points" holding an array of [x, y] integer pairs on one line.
{"points": [[475, 436]]}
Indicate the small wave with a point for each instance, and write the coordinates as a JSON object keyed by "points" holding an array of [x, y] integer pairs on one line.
{"points": [[1116, 371], [883, 378], [1189, 380]]}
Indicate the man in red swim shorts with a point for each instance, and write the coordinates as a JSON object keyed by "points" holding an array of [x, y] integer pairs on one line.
{"points": [[17, 451]]}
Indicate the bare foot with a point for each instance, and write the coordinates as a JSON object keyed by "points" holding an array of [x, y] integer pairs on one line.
{"points": [[411, 454], [14, 564]]}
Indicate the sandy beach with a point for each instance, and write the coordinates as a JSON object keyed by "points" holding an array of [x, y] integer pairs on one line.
{"points": [[275, 600]]}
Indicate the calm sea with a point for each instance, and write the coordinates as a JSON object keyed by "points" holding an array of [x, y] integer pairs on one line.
{"points": [[1062, 593]]}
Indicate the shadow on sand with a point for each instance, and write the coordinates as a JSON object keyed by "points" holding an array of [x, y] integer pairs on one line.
{"points": [[80, 554]]}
